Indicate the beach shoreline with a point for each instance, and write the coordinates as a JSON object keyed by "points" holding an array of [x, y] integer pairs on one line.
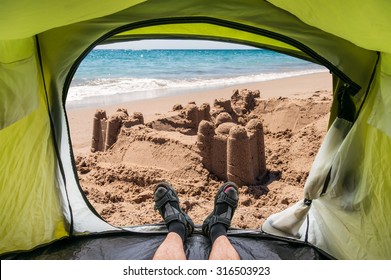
{"points": [[287, 86]]}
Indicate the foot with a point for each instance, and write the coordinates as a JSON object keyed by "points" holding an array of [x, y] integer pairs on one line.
{"points": [[225, 204], [167, 203]]}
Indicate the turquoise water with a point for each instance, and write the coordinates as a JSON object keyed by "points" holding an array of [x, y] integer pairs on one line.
{"points": [[139, 74]]}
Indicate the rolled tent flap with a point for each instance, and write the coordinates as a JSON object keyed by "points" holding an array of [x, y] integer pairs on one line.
{"points": [[288, 222], [18, 80], [324, 159]]}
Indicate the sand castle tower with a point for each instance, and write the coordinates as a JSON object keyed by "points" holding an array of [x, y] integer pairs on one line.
{"points": [[114, 124], [98, 131], [194, 114], [239, 164], [257, 147]]}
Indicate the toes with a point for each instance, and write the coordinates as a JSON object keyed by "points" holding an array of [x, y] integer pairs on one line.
{"points": [[231, 192], [159, 193]]}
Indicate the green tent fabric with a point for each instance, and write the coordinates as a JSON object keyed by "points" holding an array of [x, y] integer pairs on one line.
{"points": [[348, 194]]}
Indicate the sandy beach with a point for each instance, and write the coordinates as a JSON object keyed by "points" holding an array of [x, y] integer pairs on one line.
{"points": [[119, 182]]}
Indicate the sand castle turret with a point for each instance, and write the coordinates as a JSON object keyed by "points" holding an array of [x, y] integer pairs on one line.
{"points": [[205, 137], [223, 118], [203, 112], [98, 131], [223, 105], [257, 147], [192, 115], [219, 149], [239, 164], [114, 124]]}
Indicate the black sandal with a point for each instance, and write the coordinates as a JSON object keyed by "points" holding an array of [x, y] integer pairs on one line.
{"points": [[226, 217], [173, 214]]}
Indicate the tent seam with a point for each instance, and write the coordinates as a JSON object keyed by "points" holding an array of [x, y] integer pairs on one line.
{"points": [[52, 130], [369, 84]]}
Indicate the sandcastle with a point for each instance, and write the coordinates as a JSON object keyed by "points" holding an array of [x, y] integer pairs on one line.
{"points": [[233, 152], [231, 147], [106, 130]]}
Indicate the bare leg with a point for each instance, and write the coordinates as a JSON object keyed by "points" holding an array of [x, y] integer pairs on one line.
{"points": [[215, 226], [178, 223], [171, 248], [222, 249]]}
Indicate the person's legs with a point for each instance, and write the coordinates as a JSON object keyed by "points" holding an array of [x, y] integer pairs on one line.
{"points": [[217, 223], [222, 249], [177, 221], [171, 248]]}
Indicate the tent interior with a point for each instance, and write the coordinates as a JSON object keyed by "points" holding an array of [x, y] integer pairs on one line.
{"points": [[346, 198]]}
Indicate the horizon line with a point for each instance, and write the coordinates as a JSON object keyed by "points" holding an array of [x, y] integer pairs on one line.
{"points": [[164, 44]]}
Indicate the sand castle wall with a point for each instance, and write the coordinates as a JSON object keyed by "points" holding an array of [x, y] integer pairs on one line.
{"points": [[105, 129]]}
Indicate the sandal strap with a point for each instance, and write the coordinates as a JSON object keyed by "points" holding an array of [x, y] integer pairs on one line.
{"points": [[175, 217], [221, 220], [165, 199], [224, 198]]}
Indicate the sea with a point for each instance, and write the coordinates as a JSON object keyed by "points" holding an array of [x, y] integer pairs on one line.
{"points": [[108, 76]]}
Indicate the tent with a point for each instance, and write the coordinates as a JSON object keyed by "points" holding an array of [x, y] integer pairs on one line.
{"points": [[347, 197]]}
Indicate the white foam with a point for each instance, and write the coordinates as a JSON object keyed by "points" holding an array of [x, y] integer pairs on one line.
{"points": [[112, 86]]}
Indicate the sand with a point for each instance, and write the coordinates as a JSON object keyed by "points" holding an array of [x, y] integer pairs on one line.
{"points": [[119, 182]]}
